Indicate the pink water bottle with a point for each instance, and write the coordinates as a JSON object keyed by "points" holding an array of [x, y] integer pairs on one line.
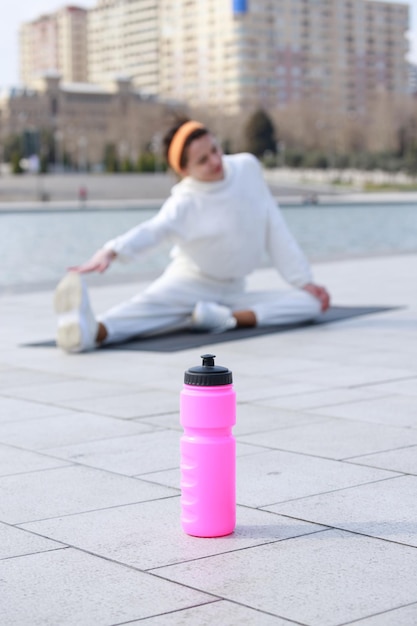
{"points": [[208, 451]]}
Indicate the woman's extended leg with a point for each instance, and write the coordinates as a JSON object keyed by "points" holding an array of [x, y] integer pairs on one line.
{"points": [[274, 308]]}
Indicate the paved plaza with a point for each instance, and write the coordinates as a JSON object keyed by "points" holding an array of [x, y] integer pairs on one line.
{"points": [[327, 471], [152, 187]]}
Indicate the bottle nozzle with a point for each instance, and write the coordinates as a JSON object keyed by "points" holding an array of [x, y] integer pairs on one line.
{"points": [[208, 359], [208, 374]]}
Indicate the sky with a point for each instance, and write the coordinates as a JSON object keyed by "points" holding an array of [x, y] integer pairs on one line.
{"points": [[14, 12]]}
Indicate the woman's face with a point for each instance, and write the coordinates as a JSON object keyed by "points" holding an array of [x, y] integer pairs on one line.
{"points": [[204, 160]]}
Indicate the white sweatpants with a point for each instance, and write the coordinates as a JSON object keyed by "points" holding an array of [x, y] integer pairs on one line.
{"points": [[169, 301]]}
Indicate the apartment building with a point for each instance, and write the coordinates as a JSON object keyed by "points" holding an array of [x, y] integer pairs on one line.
{"points": [[84, 118], [236, 55], [412, 79], [232, 56], [123, 39], [54, 42]]}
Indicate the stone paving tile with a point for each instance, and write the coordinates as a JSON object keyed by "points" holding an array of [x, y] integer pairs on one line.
{"points": [[402, 460], [17, 542], [335, 439], [70, 588], [392, 358], [221, 612], [16, 461], [102, 366], [63, 392], [131, 405], [401, 387], [250, 418], [255, 418], [252, 389], [389, 410], [353, 366], [72, 428], [138, 370], [325, 579], [276, 476], [350, 375], [68, 490], [137, 454], [149, 534], [269, 366], [387, 509], [322, 398], [12, 410], [405, 616], [13, 378]]}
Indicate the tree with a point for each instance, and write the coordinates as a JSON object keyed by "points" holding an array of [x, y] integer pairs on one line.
{"points": [[260, 134], [126, 166], [13, 148], [15, 163], [111, 161], [146, 162]]}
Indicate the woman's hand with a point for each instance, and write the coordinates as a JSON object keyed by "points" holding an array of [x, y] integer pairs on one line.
{"points": [[99, 262], [320, 293]]}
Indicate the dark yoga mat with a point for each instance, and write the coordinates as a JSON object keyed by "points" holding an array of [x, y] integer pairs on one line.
{"points": [[185, 340]]}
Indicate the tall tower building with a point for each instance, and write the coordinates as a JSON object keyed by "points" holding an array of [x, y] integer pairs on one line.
{"points": [[57, 42], [230, 56], [123, 39], [242, 54], [204, 54], [72, 32]]}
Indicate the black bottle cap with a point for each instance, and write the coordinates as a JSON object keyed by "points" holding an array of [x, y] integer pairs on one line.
{"points": [[208, 374]]}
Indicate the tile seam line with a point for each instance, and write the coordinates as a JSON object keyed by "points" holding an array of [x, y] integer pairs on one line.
{"points": [[154, 429], [382, 382], [77, 410], [139, 477], [105, 558], [153, 570], [128, 566], [35, 471], [89, 441], [396, 608], [243, 549], [359, 456], [18, 556], [341, 529], [175, 612], [336, 404], [63, 412], [320, 420], [158, 471], [235, 602], [323, 528], [323, 493], [65, 378], [23, 524], [304, 454], [76, 464], [31, 419], [52, 403], [117, 417]]}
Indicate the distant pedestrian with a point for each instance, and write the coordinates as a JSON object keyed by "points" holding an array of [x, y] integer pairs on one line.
{"points": [[82, 194], [222, 221]]}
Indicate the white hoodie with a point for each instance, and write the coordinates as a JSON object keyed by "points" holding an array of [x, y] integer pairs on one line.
{"points": [[224, 228]]}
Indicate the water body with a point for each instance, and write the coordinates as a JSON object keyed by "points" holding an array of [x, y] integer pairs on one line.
{"points": [[37, 247]]}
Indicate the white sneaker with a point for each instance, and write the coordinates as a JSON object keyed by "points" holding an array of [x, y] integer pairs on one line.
{"points": [[212, 317], [77, 326]]}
